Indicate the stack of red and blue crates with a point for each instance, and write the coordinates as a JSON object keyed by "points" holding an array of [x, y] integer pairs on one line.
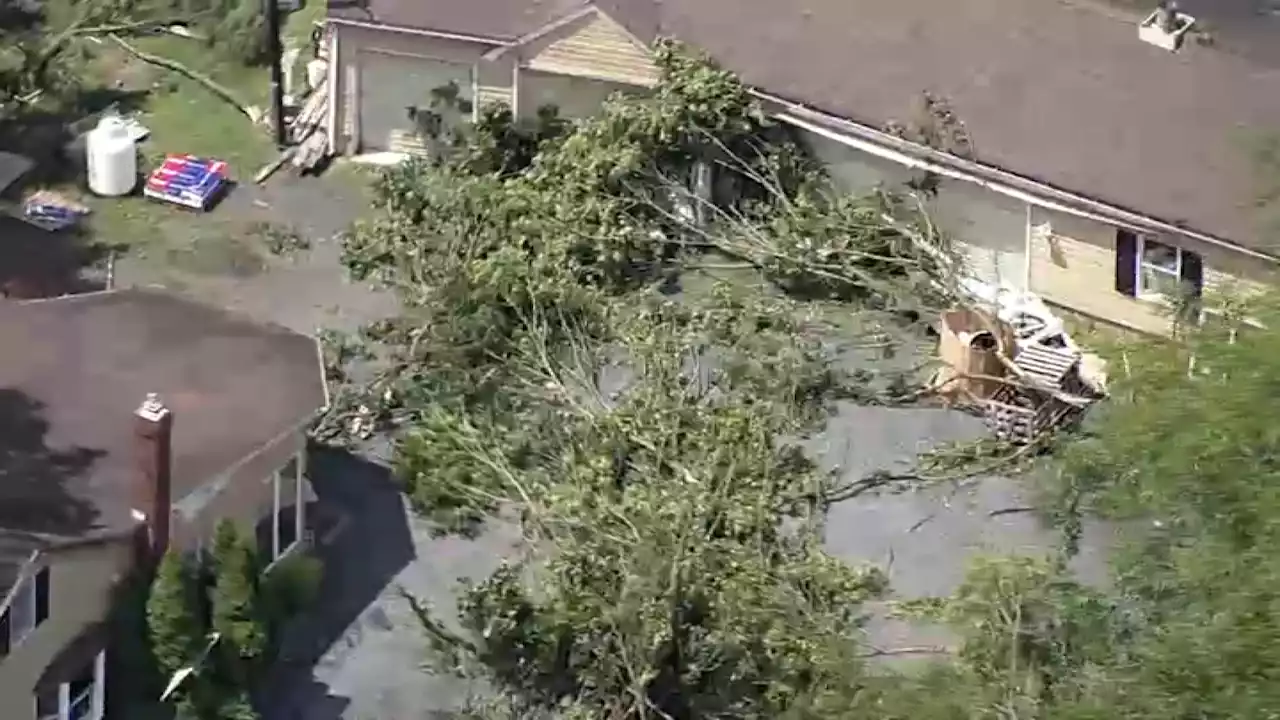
{"points": [[188, 181]]}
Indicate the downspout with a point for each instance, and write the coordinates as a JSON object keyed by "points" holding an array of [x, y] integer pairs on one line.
{"points": [[1027, 249], [336, 100], [515, 88], [475, 93]]}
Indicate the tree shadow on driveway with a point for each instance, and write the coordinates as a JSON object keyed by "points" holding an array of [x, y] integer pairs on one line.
{"points": [[363, 538]]}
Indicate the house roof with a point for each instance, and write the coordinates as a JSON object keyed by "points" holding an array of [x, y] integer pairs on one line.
{"points": [[73, 371], [1058, 91], [499, 20]]}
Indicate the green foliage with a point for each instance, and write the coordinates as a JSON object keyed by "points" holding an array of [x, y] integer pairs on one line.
{"points": [[291, 588], [234, 29], [234, 601], [176, 624], [543, 373], [1183, 462], [174, 614]]}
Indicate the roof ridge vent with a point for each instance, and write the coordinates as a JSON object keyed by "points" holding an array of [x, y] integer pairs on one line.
{"points": [[1165, 27]]}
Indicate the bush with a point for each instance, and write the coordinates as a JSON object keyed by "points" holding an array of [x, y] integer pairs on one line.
{"points": [[293, 586]]}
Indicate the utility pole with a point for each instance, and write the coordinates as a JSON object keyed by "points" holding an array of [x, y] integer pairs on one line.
{"points": [[276, 49]]}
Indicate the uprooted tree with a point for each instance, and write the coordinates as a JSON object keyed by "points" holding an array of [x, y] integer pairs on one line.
{"points": [[564, 363], [572, 358]]}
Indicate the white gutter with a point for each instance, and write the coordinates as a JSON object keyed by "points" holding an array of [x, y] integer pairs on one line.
{"points": [[880, 144], [418, 31], [1027, 251]]}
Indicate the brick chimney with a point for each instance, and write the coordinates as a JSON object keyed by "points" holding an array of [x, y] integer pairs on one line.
{"points": [[153, 494]]}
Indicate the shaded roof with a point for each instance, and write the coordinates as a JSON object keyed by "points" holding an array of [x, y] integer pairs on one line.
{"points": [[74, 369], [1057, 91], [50, 259]]}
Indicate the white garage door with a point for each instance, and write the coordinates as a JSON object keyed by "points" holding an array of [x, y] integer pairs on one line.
{"points": [[989, 229], [392, 84], [575, 97]]}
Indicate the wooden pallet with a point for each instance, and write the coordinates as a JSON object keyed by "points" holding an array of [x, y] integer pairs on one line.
{"points": [[1045, 365]]}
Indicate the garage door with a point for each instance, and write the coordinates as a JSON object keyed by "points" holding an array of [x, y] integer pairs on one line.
{"points": [[390, 85], [989, 229], [574, 96]]}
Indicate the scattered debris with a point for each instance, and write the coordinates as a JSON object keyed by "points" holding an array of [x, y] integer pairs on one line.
{"points": [[970, 346], [53, 211], [1032, 320], [1047, 394], [270, 168], [279, 240]]}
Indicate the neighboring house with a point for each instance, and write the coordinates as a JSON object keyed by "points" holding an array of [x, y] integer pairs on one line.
{"points": [[1106, 170], [91, 487]]}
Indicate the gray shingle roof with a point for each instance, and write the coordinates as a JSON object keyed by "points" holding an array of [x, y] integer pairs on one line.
{"points": [[74, 370], [1055, 90]]}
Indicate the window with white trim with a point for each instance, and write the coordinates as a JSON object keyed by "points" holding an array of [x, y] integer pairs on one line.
{"points": [[28, 607], [83, 698], [288, 519], [1156, 270]]}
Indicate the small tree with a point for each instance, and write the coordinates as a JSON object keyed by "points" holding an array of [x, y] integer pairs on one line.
{"points": [[235, 607], [174, 621]]}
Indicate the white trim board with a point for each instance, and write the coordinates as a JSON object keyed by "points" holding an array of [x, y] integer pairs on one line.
{"points": [[915, 155]]}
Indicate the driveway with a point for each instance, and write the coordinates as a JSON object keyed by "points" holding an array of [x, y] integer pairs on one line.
{"points": [[361, 656]]}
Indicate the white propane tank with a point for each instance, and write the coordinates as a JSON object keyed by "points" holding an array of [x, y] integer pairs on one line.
{"points": [[316, 69], [111, 158]]}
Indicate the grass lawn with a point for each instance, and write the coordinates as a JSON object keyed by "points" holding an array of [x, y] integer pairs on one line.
{"points": [[184, 117]]}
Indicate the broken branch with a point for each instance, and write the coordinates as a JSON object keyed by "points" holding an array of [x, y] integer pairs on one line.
{"points": [[181, 69]]}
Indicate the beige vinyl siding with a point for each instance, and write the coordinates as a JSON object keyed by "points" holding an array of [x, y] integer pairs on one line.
{"points": [[81, 584], [988, 229], [493, 83], [574, 97], [1074, 265], [598, 48], [852, 171]]}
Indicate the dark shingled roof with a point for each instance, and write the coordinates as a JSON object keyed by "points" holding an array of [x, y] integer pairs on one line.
{"points": [[495, 19], [74, 369], [1055, 90]]}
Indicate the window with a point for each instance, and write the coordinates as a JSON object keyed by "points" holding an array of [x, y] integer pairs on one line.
{"points": [[28, 608], [1159, 270], [1150, 269], [287, 511], [81, 699]]}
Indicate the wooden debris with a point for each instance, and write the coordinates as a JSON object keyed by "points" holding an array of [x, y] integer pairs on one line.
{"points": [[311, 116], [311, 152], [270, 168], [1054, 398]]}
